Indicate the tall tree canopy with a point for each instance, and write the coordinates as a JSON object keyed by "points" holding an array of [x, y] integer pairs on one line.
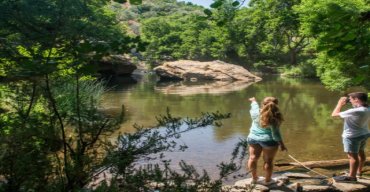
{"points": [[341, 33], [39, 37]]}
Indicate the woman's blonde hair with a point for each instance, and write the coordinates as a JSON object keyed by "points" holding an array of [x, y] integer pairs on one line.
{"points": [[270, 113]]}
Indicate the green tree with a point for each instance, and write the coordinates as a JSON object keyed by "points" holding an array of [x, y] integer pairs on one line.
{"points": [[41, 152], [41, 37], [280, 28], [163, 35], [341, 32], [46, 45]]}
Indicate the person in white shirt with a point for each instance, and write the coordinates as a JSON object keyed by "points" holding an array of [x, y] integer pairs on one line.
{"points": [[355, 132]]}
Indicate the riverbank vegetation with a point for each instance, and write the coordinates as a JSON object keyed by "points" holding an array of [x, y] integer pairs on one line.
{"points": [[328, 39], [52, 131]]}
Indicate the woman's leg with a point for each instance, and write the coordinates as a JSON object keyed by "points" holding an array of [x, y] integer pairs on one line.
{"points": [[254, 154], [268, 157]]}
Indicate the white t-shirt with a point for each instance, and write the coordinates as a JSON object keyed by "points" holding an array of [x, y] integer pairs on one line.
{"points": [[356, 122]]}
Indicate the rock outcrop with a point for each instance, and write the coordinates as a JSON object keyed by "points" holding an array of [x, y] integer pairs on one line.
{"points": [[194, 70], [116, 65], [304, 183]]}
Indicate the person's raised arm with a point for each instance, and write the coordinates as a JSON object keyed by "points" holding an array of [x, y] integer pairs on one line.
{"points": [[340, 104], [255, 109]]}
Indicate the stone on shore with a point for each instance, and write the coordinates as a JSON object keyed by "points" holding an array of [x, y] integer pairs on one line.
{"points": [[318, 188], [246, 184], [116, 65], [362, 185], [304, 184], [194, 70], [351, 187]]}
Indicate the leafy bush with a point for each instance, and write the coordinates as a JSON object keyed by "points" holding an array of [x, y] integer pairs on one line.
{"points": [[266, 66], [302, 70]]}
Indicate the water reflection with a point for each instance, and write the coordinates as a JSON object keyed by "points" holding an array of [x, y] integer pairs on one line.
{"points": [[309, 131], [205, 87]]}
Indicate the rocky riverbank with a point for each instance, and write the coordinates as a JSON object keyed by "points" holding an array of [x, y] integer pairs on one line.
{"points": [[291, 182]]}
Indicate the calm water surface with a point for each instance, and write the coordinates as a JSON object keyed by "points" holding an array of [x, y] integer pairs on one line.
{"points": [[308, 130]]}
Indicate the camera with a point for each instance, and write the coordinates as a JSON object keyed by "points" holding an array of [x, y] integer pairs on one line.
{"points": [[347, 100]]}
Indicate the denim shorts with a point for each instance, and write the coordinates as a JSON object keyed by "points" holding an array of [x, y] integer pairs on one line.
{"points": [[262, 143], [355, 145]]}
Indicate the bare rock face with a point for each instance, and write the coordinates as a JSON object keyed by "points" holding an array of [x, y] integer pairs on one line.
{"points": [[194, 70], [116, 65]]}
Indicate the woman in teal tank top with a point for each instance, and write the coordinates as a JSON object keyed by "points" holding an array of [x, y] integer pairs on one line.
{"points": [[264, 137]]}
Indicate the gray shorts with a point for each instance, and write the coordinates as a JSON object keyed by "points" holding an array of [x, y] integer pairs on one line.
{"points": [[355, 145]]}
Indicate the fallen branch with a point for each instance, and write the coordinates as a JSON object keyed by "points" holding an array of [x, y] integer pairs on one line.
{"points": [[320, 164]]}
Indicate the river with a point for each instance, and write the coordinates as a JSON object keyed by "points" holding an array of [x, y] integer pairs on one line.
{"points": [[308, 130]]}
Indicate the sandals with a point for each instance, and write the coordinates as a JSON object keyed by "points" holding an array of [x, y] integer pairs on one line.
{"points": [[358, 175]]}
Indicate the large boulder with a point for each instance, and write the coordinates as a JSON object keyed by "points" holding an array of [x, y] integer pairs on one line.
{"points": [[116, 65], [194, 70]]}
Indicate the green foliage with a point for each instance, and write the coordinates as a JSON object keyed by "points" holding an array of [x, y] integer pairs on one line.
{"points": [[230, 5], [65, 91], [341, 40], [153, 8], [24, 144], [44, 36], [266, 66], [331, 74], [279, 25], [51, 132], [278, 32], [301, 70], [177, 37], [37, 153], [264, 31]]}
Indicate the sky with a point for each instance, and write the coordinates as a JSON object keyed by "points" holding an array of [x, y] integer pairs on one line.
{"points": [[205, 3]]}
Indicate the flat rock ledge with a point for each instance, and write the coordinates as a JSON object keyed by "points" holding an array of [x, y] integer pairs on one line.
{"points": [[194, 70], [287, 182], [292, 182]]}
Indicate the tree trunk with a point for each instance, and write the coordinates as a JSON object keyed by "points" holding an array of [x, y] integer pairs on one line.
{"points": [[293, 57]]}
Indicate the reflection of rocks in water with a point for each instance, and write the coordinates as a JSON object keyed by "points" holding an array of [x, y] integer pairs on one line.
{"points": [[204, 87]]}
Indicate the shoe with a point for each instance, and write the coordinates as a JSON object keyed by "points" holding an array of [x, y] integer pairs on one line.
{"points": [[345, 179], [358, 175]]}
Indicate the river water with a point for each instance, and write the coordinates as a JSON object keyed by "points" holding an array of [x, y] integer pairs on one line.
{"points": [[308, 130]]}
